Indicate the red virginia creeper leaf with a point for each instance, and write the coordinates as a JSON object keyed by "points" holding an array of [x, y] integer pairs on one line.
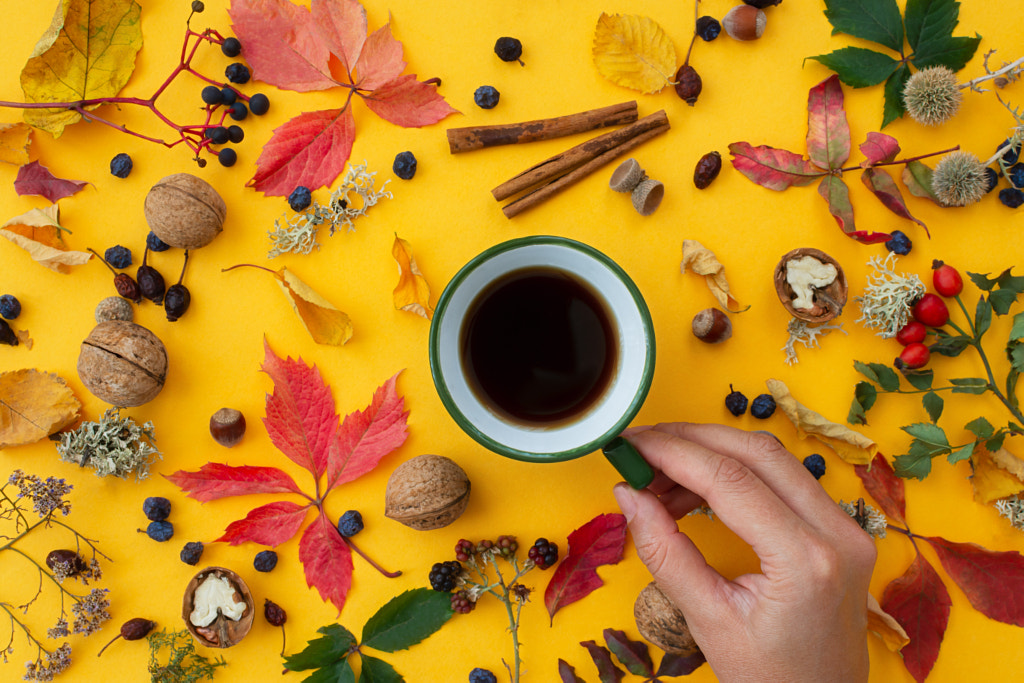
{"points": [[773, 168], [879, 147], [600, 541], [607, 672], [633, 654], [342, 29], [271, 524], [884, 187], [567, 673], [367, 436], [408, 103], [310, 150], [34, 178], [828, 133], [920, 602], [214, 480], [885, 487], [867, 237], [993, 581], [327, 561], [381, 60], [300, 420]]}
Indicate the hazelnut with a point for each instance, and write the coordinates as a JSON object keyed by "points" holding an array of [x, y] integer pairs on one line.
{"points": [[661, 623], [227, 426], [427, 492], [218, 608], [712, 326], [744, 22], [185, 211], [122, 363]]}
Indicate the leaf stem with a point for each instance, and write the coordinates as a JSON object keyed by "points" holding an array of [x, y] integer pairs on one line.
{"points": [[353, 546], [904, 161]]}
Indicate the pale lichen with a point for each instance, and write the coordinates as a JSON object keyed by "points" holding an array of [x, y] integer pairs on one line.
{"points": [[807, 334], [1012, 508], [888, 297], [114, 445], [869, 519]]}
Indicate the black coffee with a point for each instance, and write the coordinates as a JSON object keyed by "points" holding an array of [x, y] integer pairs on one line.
{"points": [[539, 345]]}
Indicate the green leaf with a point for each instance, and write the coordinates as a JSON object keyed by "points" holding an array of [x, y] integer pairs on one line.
{"points": [[962, 453], [920, 379], [876, 20], [407, 619], [1008, 281], [933, 403], [929, 434], [1002, 300], [834, 191], [928, 19], [339, 672], [893, 108], [969, 385], [1011, 382], [887, 377], [917, 176], [1016, 355], [378, 671], [319, 652], [948, 51], [996, 442], [950, 346], [917, 463], [982, 318], [858, 67], [1017, 331], [982, 281], [864, 395], [866, 370], [981, 428]]}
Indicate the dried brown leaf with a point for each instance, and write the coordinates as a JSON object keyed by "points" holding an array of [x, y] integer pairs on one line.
{"points": [[882, 624], [703, 261], [14, 141], [33, 405], [851, 446], [38, 232], [412, 293], [996, 475]]}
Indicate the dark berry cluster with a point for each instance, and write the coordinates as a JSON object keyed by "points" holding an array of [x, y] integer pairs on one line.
{"points": [[506, 546], [461, 602], [1012, 196], [543, 553], [157, 509], [464, 550], [444, 575]]}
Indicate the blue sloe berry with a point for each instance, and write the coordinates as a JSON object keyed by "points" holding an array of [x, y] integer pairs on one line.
{"points": [[160, 531], [265, 561], [237, 73], [479, 675], [191, 553], [486, 97], [405, 165], [212, 95], [1016, 175], [708, 28], [1011, 154], [228, 95], [118, 256], [155, 243], [238, 111], [735, 402], [508, 49], [235, 134], [763, 406], [259, 104], [121, 165], [1011, 197], [218, 135], [156, 508], [815, 464], [10, 307], [900, 243], [350, 524], [991, 179], [300, 198]]}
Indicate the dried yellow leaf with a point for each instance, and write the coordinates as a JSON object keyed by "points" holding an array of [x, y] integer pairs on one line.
{"points": [[14, 142], [39, 233], [851, 446], [412, 293], [633, 51], [33, 405], [996, 475], [882, 624], [703, 261], [87, 52], [325, 323]]}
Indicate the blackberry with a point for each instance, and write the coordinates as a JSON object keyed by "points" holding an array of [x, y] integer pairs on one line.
{"points": [[154, 243], [509, 49], [461, 604], [227, 157], [350, 524], [228, 96], [265, 561], [735, 402], [259, 104], [443, 575], [900, 243], [506, 546], [479, 675], [300, 198], [156, 508], [191, 553], [1011, 154], [1016, 175], [236, 134], [212, 95], [238, 111], [218, 135], [486, 97], [464, 550], [543, 553], [762, 407], [231, 47], [991, 179], [815, 464], [1011, 197], [708, 28], [405, 165], [160, 531], [237, 73], [121, 165], [10, 307]]}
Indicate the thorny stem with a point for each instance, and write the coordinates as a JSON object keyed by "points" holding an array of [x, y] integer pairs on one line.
{"points": [[894, 162], [506, 597], [1012, 66]]}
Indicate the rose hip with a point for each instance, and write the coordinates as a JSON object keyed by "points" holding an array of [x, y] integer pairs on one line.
{"points": [[914, 356], [946, 279], [931, 310], [912, 332]]}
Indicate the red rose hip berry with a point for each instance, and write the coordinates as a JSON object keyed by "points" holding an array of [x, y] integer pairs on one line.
{"points": [[911, 333], [914, 356], [931, 310], [946, 279]]}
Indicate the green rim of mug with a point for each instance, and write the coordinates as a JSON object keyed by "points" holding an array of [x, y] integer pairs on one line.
{"points": [[449, 402]]}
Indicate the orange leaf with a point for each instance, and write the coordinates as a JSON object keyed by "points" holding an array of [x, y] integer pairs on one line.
{"points": [[38, 232], [325, 323], [14, 142], [703, 261], [882, 624], [996, 475], [851, 446], [412, 293], [33, 405]]}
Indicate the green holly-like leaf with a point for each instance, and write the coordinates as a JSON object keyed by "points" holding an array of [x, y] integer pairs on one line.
{"points": [[962, 453], [929, 434], [933, 403], [996, 442], [969, 385], [407, 619], [322, 652], [339, 672], [1014, 283], [950, 346], [920, 379], [864, 395], [1002, 300], [981, 428], [893, 107], [875, 20], [1017, 330], [378, 671], [982, 318], [982, 281], [859, 67], [1016, 355]]}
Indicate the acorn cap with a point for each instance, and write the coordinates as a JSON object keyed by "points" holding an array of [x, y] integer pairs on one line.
{"points": [[829, 301], [627, 176], [647, 196]]}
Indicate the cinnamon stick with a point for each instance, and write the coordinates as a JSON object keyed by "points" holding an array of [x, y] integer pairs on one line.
{"points": [[478, 137], [582, 153], [544, 192]]}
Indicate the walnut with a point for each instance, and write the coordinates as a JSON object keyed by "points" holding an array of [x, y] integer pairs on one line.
{"points": [[122, 363], [185, 211], [427, 492], [661, 623], [218, 608]]}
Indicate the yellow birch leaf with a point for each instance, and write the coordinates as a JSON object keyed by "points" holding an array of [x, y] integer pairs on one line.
{"points": [[87, 52], [633, 51], [325, 323], [412, 293], [851, 446], [996, 475], [14, 142], [33, 405], [703, 261], [38, 232], [882, 624]]}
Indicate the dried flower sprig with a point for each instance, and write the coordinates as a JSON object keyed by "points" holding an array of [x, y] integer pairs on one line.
{"points": [[184, 664], [888, 297], [114, 445], [807, 334]]}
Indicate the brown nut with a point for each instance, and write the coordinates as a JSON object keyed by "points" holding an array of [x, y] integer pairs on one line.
{"points": [[828, 301], [744, 22], [122, 363], [427, 492], [227, 426], [218, 608], [712, 326], [661, 623], [185, 211]]}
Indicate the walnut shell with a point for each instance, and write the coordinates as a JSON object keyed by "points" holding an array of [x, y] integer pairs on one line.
{"points": [[661, 623], [427, 492], [122, 363], [829, 301], [185, 211], [223, 632]]}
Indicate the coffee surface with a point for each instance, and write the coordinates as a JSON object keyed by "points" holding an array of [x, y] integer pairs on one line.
{"points": [[539, 346]]}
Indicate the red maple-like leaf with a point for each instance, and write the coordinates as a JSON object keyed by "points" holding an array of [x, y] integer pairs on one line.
{"points": [[919, 601], [885, 487], [270, 524], [327, 561], [598, 542], [992, 581], [34, 178], [367, 436], [214, 480]]}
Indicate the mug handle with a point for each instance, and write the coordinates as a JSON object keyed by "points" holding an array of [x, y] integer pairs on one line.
{"points": [[628, 461]]}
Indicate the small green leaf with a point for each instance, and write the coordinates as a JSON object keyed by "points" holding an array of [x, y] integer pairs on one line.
{"points": [[969, 385], [865, 369], [962, 453], [378, 671], [1011, 382], [339, 672], [951, 52], [858, 67], [887, 377], [319, 652], [982, 281], [981, 428], [982, 318], [407, 619], [996, 442], [927, 19], [928, 434], [864, 396], [933, 403], [893, 107], [950, 346], [1008, 281], [1002, 300], [917, 463], [920, 379], [876, 20], [1015, 352], [1017, 331]]}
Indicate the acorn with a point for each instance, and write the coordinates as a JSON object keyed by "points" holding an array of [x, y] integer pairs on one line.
{"points": [[744, 22], [712, 326], [627, 176]]}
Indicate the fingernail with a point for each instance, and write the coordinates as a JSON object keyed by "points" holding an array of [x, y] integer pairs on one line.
{"points": [[765, 431], [624, 496]]}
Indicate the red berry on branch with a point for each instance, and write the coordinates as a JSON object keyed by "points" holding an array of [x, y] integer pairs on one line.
{"points": [[946, 279], [931, 310], [912, 332], [914, 356]]}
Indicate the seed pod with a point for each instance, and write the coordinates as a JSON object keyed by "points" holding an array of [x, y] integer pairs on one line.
{"points": [[275, 616], [708, 168], [133, 629], [712, 326], [127, 287], [688, 84], [74, 562], [151, 282]]}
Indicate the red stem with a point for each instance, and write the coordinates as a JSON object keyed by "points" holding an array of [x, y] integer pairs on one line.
{"points": [[905, 161], [390, 575]]}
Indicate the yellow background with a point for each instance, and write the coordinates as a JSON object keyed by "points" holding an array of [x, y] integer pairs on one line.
{"points": [[752, 91]]}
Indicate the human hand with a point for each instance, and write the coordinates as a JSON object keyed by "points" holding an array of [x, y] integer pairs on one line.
{"points": [[804, 617]]}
